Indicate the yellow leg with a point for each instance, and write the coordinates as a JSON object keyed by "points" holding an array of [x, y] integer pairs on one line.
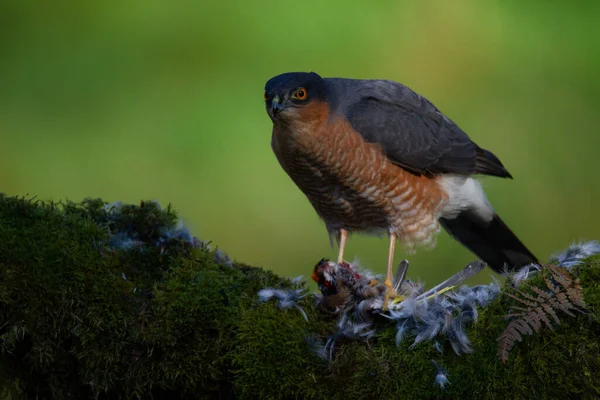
{"points": [[389, 291], [343, 237]]}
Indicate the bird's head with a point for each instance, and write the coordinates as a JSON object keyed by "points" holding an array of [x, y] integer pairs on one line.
{"points": [[287, 94]]}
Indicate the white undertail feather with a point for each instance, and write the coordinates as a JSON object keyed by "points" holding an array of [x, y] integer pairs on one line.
{"points": [[464, 193]]}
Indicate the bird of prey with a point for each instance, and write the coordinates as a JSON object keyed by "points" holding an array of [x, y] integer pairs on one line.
{"points": [[374, 156]]}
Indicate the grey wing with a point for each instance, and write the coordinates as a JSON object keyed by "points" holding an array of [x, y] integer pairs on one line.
{"points": [[414, 133]]}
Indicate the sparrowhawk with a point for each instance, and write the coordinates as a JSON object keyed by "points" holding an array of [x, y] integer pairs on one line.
{"points": [[374, 156]]}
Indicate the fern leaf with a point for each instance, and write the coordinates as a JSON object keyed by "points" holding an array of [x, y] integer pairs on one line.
{"points": [[564, 304], [561, 277], [549, 283], [543, 315], [562, 293], [534, 319], [542, 293], [520, 309], [525, 295], [550, 311], [523, 300], [507, 340]]}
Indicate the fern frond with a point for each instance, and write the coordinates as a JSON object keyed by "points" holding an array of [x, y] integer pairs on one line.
{"points": [[564, 304], [550, 311], [543, 316], [549, 283], [561, 277], [542, 293], [525, 298], [509, 338], [562, 293]]}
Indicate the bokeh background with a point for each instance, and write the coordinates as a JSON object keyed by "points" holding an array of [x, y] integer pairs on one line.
{"points": [[130, 100]]}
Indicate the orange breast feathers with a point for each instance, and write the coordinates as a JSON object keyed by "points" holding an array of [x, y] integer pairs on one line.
{"points": [[410, 203]]}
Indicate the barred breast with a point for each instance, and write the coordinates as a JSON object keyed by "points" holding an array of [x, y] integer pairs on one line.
{"points": [[352, 184]]}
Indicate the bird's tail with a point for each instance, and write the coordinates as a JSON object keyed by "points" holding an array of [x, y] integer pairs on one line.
{"points": [[492, 241]]}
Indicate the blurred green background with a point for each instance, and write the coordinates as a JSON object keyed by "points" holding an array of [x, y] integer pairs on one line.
{"points": [[130, 100]]}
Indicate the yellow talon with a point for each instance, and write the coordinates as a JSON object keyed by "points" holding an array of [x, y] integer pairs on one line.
{"points": [[389, 292]]}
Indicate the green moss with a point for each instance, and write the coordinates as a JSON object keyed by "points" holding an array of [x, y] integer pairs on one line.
{"points": [[282, 367], [114, 322], [82, 316], [272, 354]]}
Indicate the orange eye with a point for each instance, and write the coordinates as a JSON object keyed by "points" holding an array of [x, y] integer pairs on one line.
{"points": [[300, 94]]}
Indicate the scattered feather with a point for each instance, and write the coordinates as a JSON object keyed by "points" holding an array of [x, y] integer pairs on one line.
{"points": [[458, 336], [441, 376], [298, 281], [576, 253], [355, 295], [133, 230], [222, 258], [178, 232], [349, 290], [125, 241], [317, 347], [285, 298], [402, 329], [349, 329], [524, 273]]}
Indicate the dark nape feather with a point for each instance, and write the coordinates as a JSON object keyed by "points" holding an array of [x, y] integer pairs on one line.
{"points": [[493, 242], [488, 164]]}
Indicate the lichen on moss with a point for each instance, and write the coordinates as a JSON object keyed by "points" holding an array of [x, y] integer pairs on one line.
{"points": [[121, 301]]}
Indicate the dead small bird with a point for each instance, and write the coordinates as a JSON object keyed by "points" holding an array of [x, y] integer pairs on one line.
{"points": [[344, 287]]}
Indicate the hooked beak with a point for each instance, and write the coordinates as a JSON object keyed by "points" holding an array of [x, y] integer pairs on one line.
{"points": [[276, 107]]}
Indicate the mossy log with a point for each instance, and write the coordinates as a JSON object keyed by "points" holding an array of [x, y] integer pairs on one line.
{"points": [[108, 302]]}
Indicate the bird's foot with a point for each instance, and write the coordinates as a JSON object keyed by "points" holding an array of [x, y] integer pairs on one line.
{"points": [[389, 293]]}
